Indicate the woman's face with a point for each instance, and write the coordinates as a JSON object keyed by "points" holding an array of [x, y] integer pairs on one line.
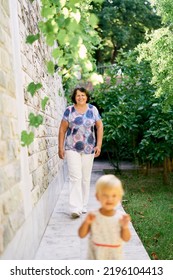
{"points": [[80, 98]]}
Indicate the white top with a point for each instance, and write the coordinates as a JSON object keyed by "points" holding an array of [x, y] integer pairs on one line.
{"points": [[105, 242]]}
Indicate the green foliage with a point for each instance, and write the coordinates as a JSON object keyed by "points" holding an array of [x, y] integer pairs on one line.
{"points": [[32, 88], [50, 67], [69, 27], [122, 25], [157, 140], [159, 52], [135, 125], [44, 102], [35, 120], [147, 198], [30, 39], [165, 10], [26, 138]]}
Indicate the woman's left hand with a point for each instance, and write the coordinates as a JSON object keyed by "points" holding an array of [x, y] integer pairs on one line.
{"points": [[97, 151]]}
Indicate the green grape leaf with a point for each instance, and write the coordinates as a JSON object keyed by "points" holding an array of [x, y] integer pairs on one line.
{"points": [[32, 87], [61, 35], [98, 1], [57, 53], [62, 61], [26, 138], [30, 39], [50, 67], [62, 3], [44, 102], [48, 12], [50, 39], [35, 120], [93, 20]]}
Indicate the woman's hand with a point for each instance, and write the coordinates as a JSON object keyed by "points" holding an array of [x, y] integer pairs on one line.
{"points": [[62, 131], [61, 153], [97, 151]]}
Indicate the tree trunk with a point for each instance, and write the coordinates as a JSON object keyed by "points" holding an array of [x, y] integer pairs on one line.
{"points": [[98, 56], [147, 168], [165, 172], [114, 54], [169, 164]]}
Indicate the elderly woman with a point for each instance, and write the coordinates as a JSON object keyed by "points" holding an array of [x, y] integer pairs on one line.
{"points": [[78, 142]]}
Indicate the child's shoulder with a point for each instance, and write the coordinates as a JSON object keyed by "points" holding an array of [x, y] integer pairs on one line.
{"points": [[119, 213]]}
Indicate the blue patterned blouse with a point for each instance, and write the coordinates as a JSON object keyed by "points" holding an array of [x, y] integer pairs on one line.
{"points": [[80, 135]]}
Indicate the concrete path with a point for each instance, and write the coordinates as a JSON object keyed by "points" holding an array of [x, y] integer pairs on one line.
{"points": [[61, 241]]}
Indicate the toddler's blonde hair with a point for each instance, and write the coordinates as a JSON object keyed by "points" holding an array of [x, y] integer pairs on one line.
{"points": [[109, 181]]}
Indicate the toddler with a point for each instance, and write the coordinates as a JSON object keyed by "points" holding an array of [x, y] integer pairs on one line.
{"points": [[108, 227]]}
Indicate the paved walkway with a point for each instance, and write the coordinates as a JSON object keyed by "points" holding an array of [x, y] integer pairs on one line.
{"points": [[61, 241]]}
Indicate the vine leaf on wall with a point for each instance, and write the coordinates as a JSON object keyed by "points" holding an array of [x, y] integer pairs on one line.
{"points": [[30, 39], [32, 87], [44, 102], [26, 138], [50, 67], [35, 120]]}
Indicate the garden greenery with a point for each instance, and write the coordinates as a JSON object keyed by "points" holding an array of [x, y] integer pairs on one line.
{"points": [[135, 125]]}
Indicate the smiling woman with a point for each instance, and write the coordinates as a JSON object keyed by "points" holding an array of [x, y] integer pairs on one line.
{"points": [[78, 142]]}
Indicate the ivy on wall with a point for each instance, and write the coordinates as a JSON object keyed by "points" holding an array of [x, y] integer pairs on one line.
{"points": [[68, 27]]}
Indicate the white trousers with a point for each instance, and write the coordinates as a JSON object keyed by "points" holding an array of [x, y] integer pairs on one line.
{"points": [[79, 168]]}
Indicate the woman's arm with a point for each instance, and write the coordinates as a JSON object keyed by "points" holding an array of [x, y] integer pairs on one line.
{"points": [[99, 129], [62, 131]]}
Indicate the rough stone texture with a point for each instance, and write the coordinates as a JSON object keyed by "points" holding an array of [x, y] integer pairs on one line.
{"points": [[42, 163]]}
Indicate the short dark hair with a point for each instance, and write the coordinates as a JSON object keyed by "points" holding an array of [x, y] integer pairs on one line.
{"points": [[82, 89]]}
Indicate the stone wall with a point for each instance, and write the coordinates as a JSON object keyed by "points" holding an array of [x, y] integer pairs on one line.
{"points": [[30, 178]]}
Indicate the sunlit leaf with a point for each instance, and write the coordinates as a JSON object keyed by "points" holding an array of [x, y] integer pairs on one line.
{"points": [[61, 35], [44, 102], [76, 16], [48, 12], [50, 39], [35, 120], [62, 2], [26, 138], [30, 39], [62, 61], [32, 87], [57, 53], [50, 67], [82, 51], [65, 12], [93, 20]]}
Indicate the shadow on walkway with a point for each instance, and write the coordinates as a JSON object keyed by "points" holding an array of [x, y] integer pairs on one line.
{"points": [[61, 241]]}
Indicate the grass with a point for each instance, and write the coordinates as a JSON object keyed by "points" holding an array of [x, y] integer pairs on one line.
{"points": [[150, 204]]}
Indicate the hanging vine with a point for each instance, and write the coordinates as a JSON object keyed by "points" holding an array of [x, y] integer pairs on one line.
{"points": [[68, 27]]}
